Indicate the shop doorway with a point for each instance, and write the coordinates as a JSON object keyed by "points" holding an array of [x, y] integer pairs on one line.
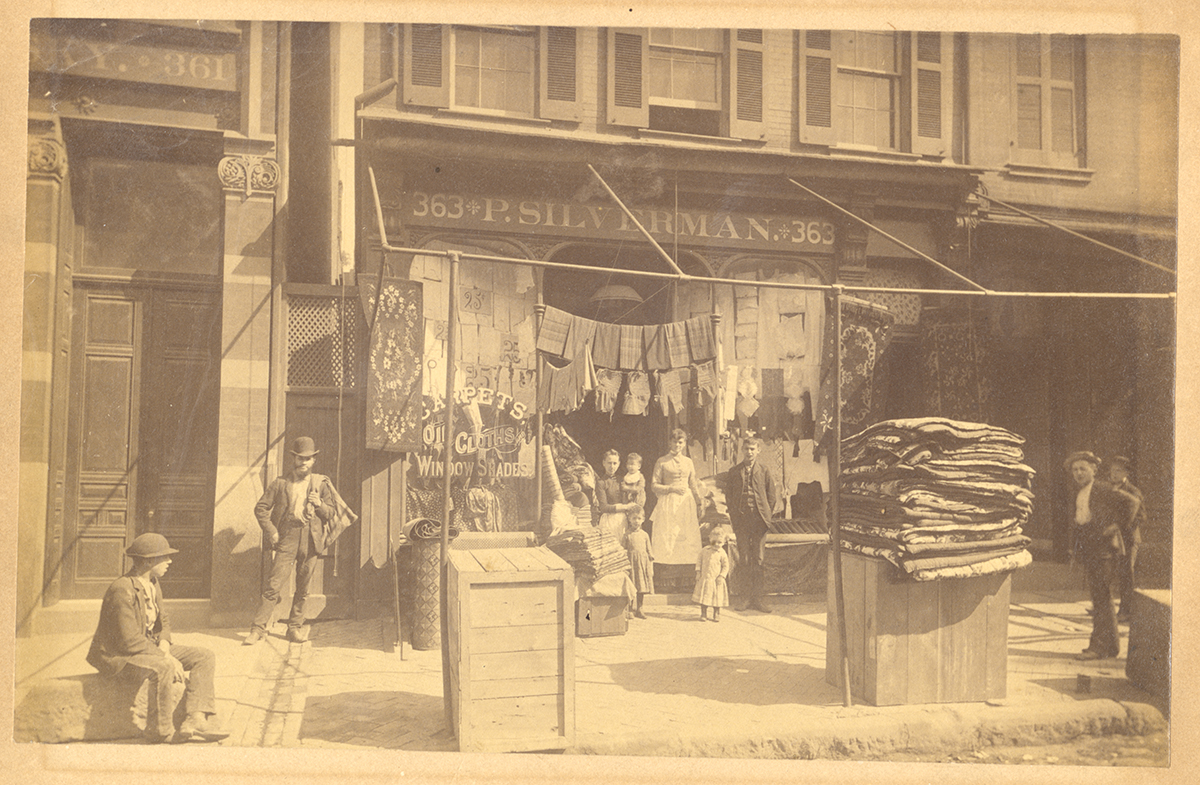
{"points": [[141, 432]]}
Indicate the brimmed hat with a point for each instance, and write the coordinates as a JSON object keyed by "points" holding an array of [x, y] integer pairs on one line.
{"points": [[1081, 455], [1120, 460], [304, 447], [150, 545]]}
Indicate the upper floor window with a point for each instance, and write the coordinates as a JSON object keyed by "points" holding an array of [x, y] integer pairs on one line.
{"points": [[881, 90], [1048, 100], [698, 81], [507, 71]]}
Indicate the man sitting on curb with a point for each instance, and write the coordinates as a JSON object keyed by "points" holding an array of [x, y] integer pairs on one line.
{"points": [[133, 642]]}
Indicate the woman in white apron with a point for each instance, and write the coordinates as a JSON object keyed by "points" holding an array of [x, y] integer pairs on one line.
{"points": [[675, 521]]}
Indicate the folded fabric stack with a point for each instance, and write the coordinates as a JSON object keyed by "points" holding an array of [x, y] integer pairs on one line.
{"points": [[938, 498], [591, 552]]}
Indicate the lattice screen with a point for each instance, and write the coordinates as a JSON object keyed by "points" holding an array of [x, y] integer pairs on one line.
{"points": [[323, 341]]}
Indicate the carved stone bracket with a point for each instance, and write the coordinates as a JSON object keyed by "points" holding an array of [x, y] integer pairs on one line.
{"points": [[249, 173], [47, 158]]}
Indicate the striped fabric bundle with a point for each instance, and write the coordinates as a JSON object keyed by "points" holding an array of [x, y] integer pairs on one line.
{"points": [[591, 552], [938, 498]]}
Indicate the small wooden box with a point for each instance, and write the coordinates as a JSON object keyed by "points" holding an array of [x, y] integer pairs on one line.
{"points": [[909, 642], [599, 616], [512, 662]]}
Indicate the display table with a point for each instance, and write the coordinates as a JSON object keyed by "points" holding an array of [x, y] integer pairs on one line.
{"points": [[510, 634], [910, 642]]}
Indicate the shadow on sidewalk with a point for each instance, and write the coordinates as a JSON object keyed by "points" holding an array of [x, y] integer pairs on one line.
{"points": [[383, 720], [729, 680]]}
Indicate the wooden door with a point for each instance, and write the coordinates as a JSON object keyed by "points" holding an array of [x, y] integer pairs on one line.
{"points": [[335, 425], [141, 439]]}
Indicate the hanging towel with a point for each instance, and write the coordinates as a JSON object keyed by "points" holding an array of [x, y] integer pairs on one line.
{"points": [[637, 393], [633, 348], [658, 357], [553, 332], [672, 389], [582, 332], [701, 342], [706, 382], [677, 345], [608, 385], [658, 401], [606, 351]]}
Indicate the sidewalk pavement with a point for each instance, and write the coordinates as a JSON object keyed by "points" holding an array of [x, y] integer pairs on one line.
{"points": [[752, 686]]}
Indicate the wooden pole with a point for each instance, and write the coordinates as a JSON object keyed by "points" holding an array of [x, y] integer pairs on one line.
{"points": [[447, 475], [716, 434], [835, 472]]}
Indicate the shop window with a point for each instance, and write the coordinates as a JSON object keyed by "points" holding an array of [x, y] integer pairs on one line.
{"points": [[520, 72], [697, 81], [1047, 83], [876, 90]]}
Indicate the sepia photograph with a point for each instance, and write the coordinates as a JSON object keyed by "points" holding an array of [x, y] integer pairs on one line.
{"points": [[487, 394]]}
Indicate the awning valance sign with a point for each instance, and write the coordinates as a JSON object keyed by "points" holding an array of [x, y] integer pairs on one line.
{"points": [[805, 233]]}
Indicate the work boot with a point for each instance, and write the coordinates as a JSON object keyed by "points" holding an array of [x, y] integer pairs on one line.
{"points": [[256, 635], [297, 634], [716, 614], [198, 727], [638, 614]]}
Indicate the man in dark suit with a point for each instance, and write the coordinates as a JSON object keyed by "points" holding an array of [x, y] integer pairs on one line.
{"points": [[1118, 475], [133, 642], [751, 495], [293, 512], [1101, 513]]}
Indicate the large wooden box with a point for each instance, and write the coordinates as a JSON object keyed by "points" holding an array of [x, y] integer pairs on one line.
{"points": [[1148, 663], [599, 616], [511, 633], [909, 642]]}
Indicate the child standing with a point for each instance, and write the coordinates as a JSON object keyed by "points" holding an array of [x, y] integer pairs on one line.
{"points": [[712, 568], [641, 556], [633, 484]]}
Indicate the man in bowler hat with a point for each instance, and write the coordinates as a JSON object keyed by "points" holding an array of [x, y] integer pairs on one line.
{"points": [[133, 642], [293, 512], [1102, 513]]}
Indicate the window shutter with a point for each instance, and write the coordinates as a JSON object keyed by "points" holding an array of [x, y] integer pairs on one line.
{"points": [[747, 54], [628, 71], [816, 93], [426, 65], [931, 86], [560, 76]]}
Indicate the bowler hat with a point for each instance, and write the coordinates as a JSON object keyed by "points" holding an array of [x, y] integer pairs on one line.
{"points": [[1081, 455], [149, 545], [304, 447]]}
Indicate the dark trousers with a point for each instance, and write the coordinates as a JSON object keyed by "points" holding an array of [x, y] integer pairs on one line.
{"points": [[295, 549], [199, 663], [751, 548], [1100, 574], [1125, 573]]}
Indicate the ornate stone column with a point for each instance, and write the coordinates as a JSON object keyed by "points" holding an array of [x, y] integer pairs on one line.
{"points": [[39, 515], [249, 175]]}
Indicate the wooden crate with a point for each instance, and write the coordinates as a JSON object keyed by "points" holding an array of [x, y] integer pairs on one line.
{"points": [[910, 642], [1148, 661], [599, 616], [512, 662]]}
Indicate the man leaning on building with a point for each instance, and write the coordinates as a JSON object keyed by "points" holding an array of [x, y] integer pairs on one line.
{"points": [[298, 513], [1102, 513], [1118, 475]]}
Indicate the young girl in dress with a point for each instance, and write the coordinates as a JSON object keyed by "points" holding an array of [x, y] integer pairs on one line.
{"points": [[712, 568], [609, 502], [633, 484], [641, 556]]}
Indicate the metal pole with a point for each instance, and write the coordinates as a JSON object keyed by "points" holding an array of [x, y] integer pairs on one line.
{"points": [[539, 418], [835, 473], [1073, 233], [393, 551], [877, 230], [636, 222], [447, 466]]}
